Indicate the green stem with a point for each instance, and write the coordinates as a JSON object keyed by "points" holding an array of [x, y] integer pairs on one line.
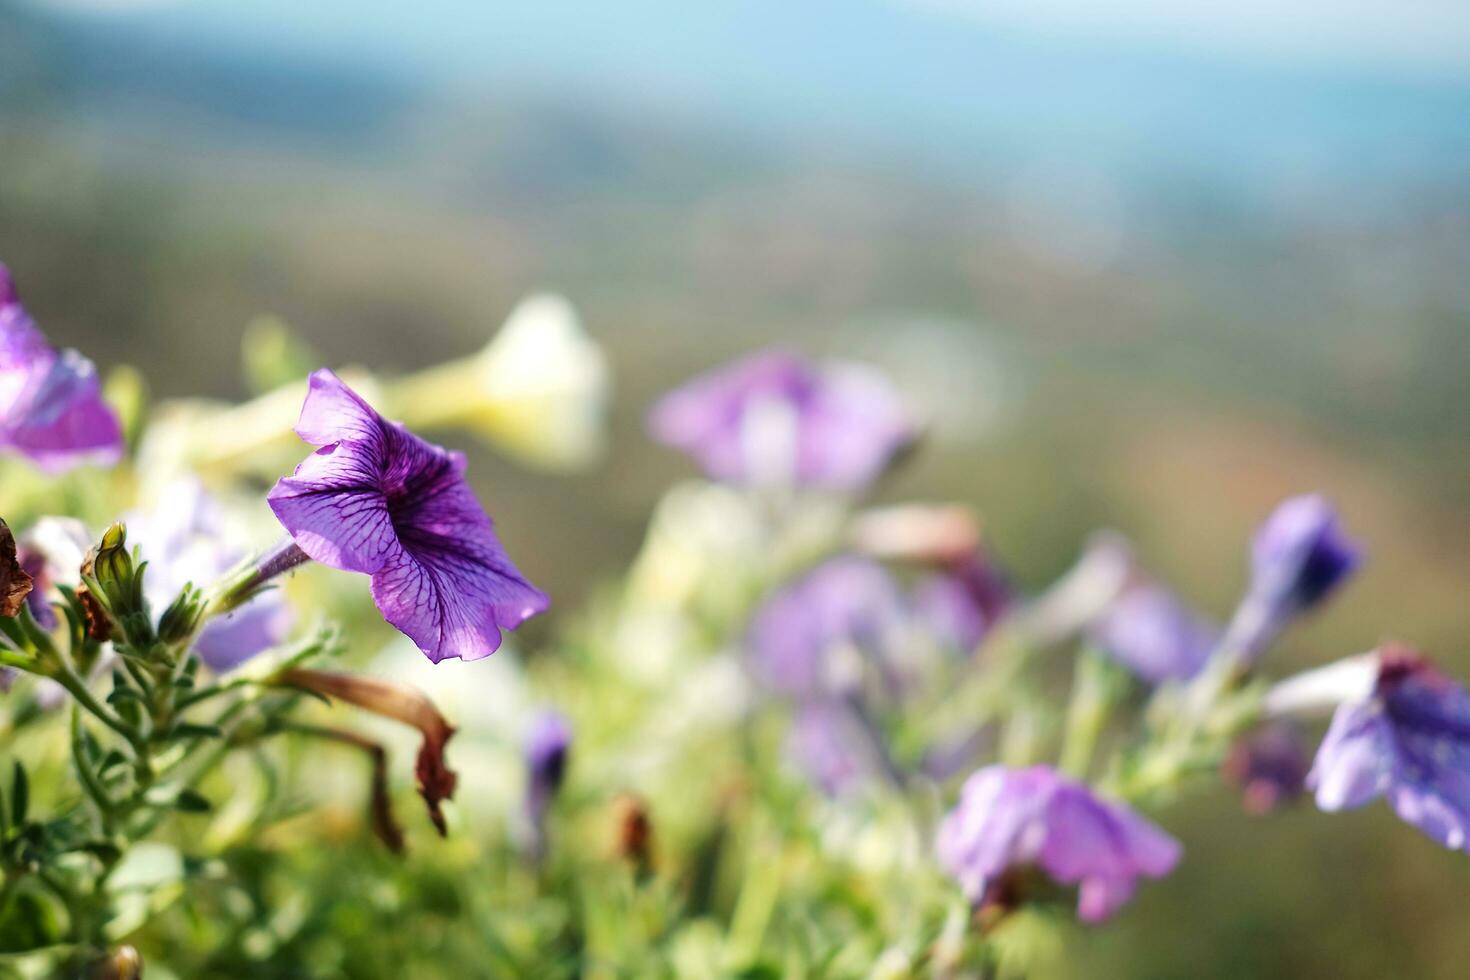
{"points": [[95, 790], [77, 688], [1087, 714]]}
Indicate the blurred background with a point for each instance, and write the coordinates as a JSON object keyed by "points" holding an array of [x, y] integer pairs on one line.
{"points": [[1152, 266]]}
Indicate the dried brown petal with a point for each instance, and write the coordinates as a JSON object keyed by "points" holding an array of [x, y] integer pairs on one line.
{"points": [[380, 803], [99, 626], [633, 830], [436, 781], [15, 584]]}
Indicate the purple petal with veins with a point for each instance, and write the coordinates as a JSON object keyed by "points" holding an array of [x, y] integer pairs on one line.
{"points": [[377, 499]]}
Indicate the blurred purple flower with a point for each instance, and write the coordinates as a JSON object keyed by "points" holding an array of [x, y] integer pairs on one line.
{"points": [[52, 552], [777, 418], [847, 603], [1009, 820], [184, 540], [823, 745], [1410, 741], [548, 744], [1153, 634], [377, 499], [836, 744], [51, 407], [547, 748], [1270, 766], [1299, 557], [946, 607], [962, 603]]}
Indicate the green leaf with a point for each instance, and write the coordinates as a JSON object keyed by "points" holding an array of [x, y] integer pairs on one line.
{"points": [[191, 730], [20, 795], [189, 801], [123, 693]]}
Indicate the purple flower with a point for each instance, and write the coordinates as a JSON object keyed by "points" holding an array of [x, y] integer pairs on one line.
{"points": [[962, 603], [843, 605], [52, 552], [51, 407], [1153, 634], [377, 499], [1011, 820], [777, 418], [1299, 557], [946, 607], [548, 744], [184, 540], [836, 746], [1408, 740], [1269, 766]]}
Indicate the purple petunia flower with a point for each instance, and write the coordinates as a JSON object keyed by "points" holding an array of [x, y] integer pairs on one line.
{"points": [[51, 407], [963, 602], [377, 499], [1408, 740], [845, 604], [836, 746], [1270, 767], [776, 418], [1298, 558], [1010, 820], [949, 610], [548, 745], [184, 540], [1153, 634]]}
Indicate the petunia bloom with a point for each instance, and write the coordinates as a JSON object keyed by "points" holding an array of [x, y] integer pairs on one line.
{"points": [[1011, 820], [798, 640], [377, 499], [965, 593], [184, 539], [548, 745], [832, 743], [1407, 740], [51, 407], [1153, 634], [52, 551], [1298, 558], [776, 418]]}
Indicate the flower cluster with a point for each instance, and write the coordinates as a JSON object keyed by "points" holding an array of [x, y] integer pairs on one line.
{"points": [[1000, 746]]}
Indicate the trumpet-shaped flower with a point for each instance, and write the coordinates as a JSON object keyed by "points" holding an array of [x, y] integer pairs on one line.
{"points": [[548, 744], [51, 407], [377, 499], [1011, 820], [546, 381], [1298, 558], [52, 551], [1153, 634], [775, 418], [1408, 740], [846, 604]]}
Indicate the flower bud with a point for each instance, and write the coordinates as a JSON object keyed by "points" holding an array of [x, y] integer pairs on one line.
{"points": [[117, 584]]}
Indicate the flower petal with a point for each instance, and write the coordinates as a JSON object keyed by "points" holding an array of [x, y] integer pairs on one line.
{"points": [[334, 412], [335, 513], [1354, 762], [455, 597]]}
